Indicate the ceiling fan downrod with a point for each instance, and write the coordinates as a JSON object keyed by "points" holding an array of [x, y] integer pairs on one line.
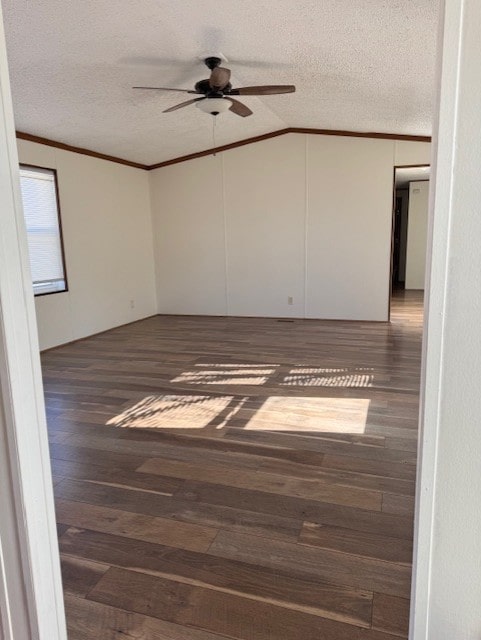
{"points": [[212, 62]]}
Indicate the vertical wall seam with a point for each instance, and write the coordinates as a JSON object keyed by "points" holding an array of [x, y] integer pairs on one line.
{"points": [[306, 217], [153, 229], [224, 216]]}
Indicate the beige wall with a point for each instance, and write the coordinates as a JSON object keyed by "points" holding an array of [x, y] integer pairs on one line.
{"points": [[417, 234], [189, 238], [306, 217], [411, 153], [349, 227], [264, 210], [107, 230]]}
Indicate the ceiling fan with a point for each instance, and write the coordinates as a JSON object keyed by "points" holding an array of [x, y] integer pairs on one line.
{"points": [[217, 92]]}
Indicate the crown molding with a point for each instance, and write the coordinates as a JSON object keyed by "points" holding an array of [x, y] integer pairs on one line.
{"points": [[360, 134], [226, 147], [281, 132], [21, 135]]}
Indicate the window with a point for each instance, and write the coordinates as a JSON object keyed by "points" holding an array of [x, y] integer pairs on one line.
{"points": [[44, 234]]}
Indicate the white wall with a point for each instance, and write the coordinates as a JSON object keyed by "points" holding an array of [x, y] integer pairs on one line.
{"points": [[410, 153], [301, 216], [417, 234], [447, 569], [190, 256], [350, 191], [264, 208], [31, 599], [305, 217], [107, 231]]}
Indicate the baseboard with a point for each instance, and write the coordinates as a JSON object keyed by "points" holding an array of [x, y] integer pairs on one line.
{"points": [[98, 333]]}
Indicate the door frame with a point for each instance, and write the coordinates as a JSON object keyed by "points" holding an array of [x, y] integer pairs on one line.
{"points": [[29, 524], [31, 598], [393, 217]]}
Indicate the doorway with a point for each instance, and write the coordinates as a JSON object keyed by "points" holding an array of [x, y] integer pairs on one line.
{"points": [[409, 231]]}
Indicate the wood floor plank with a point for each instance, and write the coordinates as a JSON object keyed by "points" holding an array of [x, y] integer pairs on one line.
{"points": [[228, 517], [395, 430], [308, 595], [309, 449], [56, 437], [391, 525], [391, 615], [116, 477], [79, 575], [340, 477], [400, 504], [88, 620], [301, 560], [225, 614], [93, 456], [141, 527], [286, 445], [61, 529], [293, 462], [373, 467], [296, 442], [267, 482], [306, 441], [368, 545], [403, 444]]}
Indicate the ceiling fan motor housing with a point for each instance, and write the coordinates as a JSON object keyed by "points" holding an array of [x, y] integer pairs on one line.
{"points": [[203, 86]]}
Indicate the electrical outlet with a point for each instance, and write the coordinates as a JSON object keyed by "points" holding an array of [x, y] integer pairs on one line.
{"points": [[290, 300], [132, 304]]}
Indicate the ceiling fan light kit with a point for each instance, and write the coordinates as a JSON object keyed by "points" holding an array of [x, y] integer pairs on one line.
{"points": [[214, 106], [216, 92]]}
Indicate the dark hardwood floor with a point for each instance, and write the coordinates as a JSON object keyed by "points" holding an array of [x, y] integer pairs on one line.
{"points": [[237, 478]]}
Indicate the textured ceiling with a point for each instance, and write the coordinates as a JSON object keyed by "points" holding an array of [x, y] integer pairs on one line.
{"points": [[364, 65]]}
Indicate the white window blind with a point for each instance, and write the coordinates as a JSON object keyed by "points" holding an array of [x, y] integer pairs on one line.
{"points": [[39, 195]]}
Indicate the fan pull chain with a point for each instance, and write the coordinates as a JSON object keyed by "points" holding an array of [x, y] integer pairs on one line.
{"points": [[214, 122]]}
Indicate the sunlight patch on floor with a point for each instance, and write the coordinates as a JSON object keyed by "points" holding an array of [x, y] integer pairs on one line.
{"points": [[230, 365], [252, 374], [178, 412], [226, 374], [321, 377], [273, 413], [318, 415]]}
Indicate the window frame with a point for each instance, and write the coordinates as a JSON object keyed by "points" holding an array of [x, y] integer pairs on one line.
{"points": [[24, 165]]}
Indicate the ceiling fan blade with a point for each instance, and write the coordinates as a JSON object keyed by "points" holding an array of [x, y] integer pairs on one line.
{"points": [[182, 104], [219, 77], [238, 108], [263, 90], [166, 89]]}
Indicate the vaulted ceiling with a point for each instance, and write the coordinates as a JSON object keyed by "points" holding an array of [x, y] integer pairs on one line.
{"points": [[359, 65]]}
